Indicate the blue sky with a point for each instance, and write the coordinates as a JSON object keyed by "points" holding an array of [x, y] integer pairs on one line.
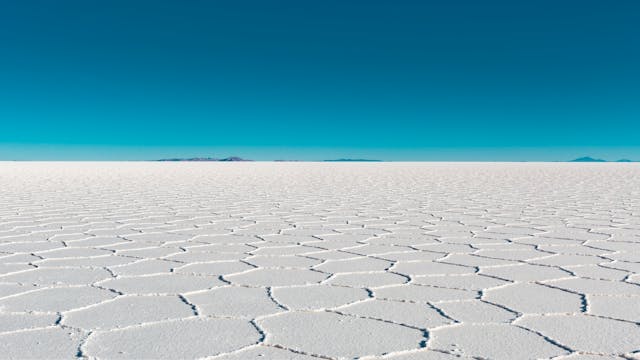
{"points": [[393, 80]]}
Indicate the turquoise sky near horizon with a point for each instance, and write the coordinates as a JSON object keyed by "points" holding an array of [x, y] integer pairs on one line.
{"points": [[312, 80]]}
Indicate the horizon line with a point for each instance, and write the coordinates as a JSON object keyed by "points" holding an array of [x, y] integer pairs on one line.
{"points": [[322, 161]]}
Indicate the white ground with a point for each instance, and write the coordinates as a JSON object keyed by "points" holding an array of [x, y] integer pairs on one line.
{"points": [[313, 260]]}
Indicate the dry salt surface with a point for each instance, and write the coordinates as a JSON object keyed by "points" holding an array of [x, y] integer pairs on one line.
{"points": [[319, 260]]}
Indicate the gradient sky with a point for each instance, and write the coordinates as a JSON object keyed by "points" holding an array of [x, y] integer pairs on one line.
{"points": [[394, 80]]}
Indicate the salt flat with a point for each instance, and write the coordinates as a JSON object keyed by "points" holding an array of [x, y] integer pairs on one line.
{"points": [[319, 260]]}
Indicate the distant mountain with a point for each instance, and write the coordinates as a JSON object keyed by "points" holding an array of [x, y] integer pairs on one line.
{"points": [[352, 160], [234, 158], [590, 159], [189, 159], [587, 159], [230, 158]]}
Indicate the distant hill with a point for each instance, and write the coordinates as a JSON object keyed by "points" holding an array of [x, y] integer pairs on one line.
{"points": [[230, 158], [352, 160], [587, 159], [234, 158], [590, 159]]}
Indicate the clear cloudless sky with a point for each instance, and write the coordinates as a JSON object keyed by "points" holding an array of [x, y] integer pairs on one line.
{"points": [[269, 79]]}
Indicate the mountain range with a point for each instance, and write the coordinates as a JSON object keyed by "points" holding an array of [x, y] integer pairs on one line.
{"points": [[590, 159], [236, 158], [230, 158]]}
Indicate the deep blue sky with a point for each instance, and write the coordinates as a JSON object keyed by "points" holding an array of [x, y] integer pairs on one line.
{"points": [[397, 80]]}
